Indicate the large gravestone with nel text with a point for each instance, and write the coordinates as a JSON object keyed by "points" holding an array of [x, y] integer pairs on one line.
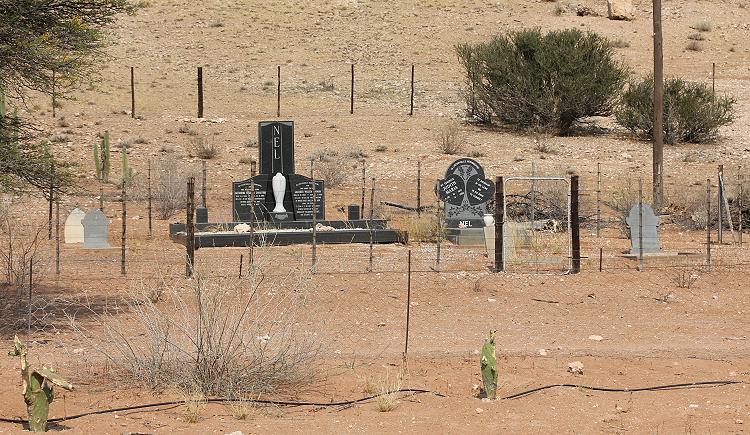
{"points": [[650, 226], [95, 229], [276, 147], [466, 193]]}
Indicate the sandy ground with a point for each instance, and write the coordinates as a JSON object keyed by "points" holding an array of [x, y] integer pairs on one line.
{"points": [[653, 331]]}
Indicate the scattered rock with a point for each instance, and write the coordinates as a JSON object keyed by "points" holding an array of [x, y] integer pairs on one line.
{"points": [[242, 228], [237, 432], [543, 352], [596, 337], [576, 367], [585, 11], [620, 10], [479, 410]]}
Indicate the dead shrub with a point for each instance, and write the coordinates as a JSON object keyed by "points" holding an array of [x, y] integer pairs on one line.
{"points": [[387, 399], [211, 336], [169, 187], [333, 172], [684, 278], [424, 227], [450, 140], [202, 148]]}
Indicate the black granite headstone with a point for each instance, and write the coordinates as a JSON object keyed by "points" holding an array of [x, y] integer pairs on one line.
{"points": [[298, 199], [302, 188], [276, 147], [466, 193]]}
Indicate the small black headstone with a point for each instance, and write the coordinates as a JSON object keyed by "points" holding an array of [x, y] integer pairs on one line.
{"points": [[302, 188], [353, 213], [276, 147], [201, 215], [466, 193]]}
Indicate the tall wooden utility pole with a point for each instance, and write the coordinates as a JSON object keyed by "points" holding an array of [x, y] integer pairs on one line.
{"points": [[658, 151]]}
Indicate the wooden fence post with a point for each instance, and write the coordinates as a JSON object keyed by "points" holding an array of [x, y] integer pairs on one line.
{"points": [[200, 92], [132, 92], [575, 226], [499, 222], [190, 229]]}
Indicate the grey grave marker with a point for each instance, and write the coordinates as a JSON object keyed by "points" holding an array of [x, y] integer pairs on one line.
{"points": [[74, 227], [95, 229], [650, 227]]}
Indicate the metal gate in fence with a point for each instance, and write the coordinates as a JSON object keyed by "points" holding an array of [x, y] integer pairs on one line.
{"points": [[537, 224]]}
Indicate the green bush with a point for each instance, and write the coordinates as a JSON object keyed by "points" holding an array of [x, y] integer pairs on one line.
{"points": [[530, 80], [692, 113]]}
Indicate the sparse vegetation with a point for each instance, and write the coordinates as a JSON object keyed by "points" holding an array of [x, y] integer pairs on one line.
{"points": [[323, 155], [424, 227], [450, 140], [696, 37], [684, 278], [332, 171], [692, 113], [694, 46], [702, 26], [216, 338], [203, 148], [527, 79]]}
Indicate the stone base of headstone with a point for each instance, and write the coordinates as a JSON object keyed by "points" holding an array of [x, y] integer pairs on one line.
{"points": [[285, 216], [465, 236], [201, 215]]}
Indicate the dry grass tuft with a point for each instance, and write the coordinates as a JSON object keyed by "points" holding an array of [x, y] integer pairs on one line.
{"points": [[194, 402], [450, 140], [387, 399], [202, 148]]}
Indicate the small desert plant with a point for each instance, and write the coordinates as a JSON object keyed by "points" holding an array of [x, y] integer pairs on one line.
{"points": [[358, 154], [684, 278], [692, 113], [694, 46], [170, 187], [185, 129], [450, 140], [387, 399], [203, 148], [323, 155], [702, 26], [193, 404], [425, 227], [622, 200], [381, 148], [332, 172], [527, 79], [241, 408], [620, 43], [696, 37], [250, 143]]}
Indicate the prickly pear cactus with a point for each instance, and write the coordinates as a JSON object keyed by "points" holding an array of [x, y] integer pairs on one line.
{"points": [[489, 367], [37, 388]]}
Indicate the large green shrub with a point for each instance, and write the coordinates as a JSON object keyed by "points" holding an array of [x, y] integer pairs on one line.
{"points": [[531, 80], [692, 113]]}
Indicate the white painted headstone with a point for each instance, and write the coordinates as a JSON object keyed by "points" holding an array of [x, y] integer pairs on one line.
{"points": [[74, 227], [95, 230]]}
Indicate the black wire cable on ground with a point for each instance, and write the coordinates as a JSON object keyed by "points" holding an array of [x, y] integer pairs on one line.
{"points": [[682, 386], [225, 400]]}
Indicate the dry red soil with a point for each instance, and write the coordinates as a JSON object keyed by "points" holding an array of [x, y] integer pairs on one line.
{"points": [[653, 332]]}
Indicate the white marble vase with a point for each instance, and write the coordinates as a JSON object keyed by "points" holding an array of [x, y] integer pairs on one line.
{"points": [[278, 184]]}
